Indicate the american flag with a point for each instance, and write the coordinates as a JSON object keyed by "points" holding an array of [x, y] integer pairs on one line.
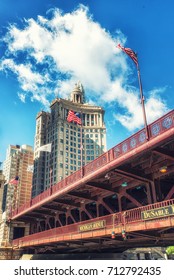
{"points": [[130, 53], [14, 181], [73, 117]]}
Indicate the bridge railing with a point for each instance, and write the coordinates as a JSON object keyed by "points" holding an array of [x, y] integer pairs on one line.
{"points": [[120, 219], [157, 127], [65, 230], [135, 215]]}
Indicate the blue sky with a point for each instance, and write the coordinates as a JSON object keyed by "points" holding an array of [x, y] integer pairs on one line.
{"points": [[46, 46]]}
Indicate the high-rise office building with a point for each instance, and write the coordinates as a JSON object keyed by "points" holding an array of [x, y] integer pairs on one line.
{"points": [[18, 163], [72, 145], [2, 181], [3, 226]]}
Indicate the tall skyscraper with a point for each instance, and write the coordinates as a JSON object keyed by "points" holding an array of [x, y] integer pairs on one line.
{"points": [[2, 181], [18, 163], [72, 145], [3, 226]]}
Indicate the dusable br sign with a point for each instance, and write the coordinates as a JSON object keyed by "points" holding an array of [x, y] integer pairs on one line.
{"points": [[158, 213]]}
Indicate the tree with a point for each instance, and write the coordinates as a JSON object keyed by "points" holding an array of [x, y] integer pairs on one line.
{"points": [[170, 250]]}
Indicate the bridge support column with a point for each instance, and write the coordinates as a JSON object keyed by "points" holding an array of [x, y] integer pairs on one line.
{"points": [[149, 197], [153, 192], [158, 190], [119, 203]]}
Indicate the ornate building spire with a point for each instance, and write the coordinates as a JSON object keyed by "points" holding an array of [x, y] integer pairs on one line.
{"points": [[78, 94]]}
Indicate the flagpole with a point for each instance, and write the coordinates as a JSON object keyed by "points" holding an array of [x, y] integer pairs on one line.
{"points": [[50, 177], [142, 102], [133, 56], [51, 168]]}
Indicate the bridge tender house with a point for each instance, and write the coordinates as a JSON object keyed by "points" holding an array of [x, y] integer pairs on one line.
{"points": [[92, 226], [158, 213]]}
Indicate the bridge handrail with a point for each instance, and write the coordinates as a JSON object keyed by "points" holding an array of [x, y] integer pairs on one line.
{"points": [[119, 219], [157, 127], [63, 230], [133, 215]]}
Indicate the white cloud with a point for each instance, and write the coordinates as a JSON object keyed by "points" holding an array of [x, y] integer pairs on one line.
{"points": [[22, 97], [155, 107], [71, 47], [28, 78]]}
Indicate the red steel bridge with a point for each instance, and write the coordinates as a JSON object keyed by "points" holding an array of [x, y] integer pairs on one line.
{"points": [[123, 199]]}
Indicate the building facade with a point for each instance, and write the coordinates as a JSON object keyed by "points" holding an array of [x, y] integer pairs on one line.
{"points": [[3, 231], [2, 182], [73, 145], [18, 162]]}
